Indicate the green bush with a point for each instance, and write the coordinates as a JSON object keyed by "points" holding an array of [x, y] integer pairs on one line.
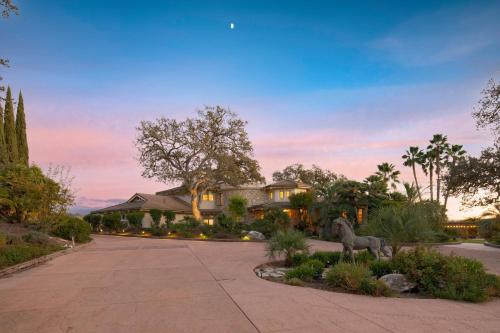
{"points": [[266, 227], [441, 237], [363, 257], [112, 221], [295, 282], [226, 224], [348, 276], [443, 276], [303, 272], [94, 220], [287, 242], [380, 268], [169, 217], [317, 265], [3, 239], [73, 227], [327, 257], [299, 258], [182, 229], [374, 288], [278, 217], [35, 237], [237, 207], [135, 220], [15, 254]]}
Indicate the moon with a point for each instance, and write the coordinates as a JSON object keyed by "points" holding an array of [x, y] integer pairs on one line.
{"points": [[231, 25]]}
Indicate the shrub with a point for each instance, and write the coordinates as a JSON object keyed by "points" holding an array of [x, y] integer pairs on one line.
{"points": [[3, 239], [489, 229], [35, 237], [156, 217], [112, 221], [348, 276], [169, 217], [73, 227], [226, 224], [237, 207], [380, 268], [278, 217], [94, 220], [295, 282], [135, 220], [443, 276], [287, 242], [374, 288], [15, 254], [182, 229], [266, 227], [441, 237], [327, 257], [303, 272], [363, 257], [299, 258], [317, 265]]}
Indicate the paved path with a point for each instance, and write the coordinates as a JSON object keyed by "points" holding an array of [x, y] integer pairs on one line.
{"points": [[144, 285]]}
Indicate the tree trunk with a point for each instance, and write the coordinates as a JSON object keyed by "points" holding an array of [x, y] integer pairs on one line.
{"points": [[431, 172], [416, 182], [438, 176], [195, 199]]}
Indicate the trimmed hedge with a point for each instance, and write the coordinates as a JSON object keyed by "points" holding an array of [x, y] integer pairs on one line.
{"points": [[75, 227]]}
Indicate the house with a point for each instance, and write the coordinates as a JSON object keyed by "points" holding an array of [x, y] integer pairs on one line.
{"points": [[213, 201]]}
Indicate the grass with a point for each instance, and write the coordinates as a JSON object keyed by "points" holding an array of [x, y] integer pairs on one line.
{"points": [[15, 254]]}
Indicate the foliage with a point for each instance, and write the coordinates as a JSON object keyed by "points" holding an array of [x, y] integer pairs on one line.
{"points": [[487, 112], [227, 224], [264, 226], [408, 223], [380, 268], [316, 177], [3, 240], [38, 238], [135, 220], [295, 282], [299, 258], [94, 220], [10, 129], [287, 242], [22, 141], [476, 178], [311, 269], [388, 174], [414, 156], [277, 216], [302, 202], [237, 207], [3, 146], [169, 217], [328, 258], [355, 278], [199, 152], [112, 221], [489, 228], [73, 228], [156, 215], [15, 254], [25, 192], [446, 276]]}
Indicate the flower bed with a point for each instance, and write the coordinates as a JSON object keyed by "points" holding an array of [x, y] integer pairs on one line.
{"points": [[425, 273]]}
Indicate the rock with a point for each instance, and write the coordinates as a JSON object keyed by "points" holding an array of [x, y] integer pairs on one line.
{"points": [[256, 235], [397, 282]]}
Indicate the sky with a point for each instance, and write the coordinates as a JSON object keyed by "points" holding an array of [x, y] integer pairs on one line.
{"points": [[343, 85]]}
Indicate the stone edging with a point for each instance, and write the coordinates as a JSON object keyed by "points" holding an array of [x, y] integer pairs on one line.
{"points": [[187, 239], [492, 245], [40, 260]]}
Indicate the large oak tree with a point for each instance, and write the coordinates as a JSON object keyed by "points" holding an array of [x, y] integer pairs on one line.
{"points": [[200, 152]]}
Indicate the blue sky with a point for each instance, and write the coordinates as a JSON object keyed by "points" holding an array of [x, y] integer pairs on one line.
{"points": [[344, 85]]}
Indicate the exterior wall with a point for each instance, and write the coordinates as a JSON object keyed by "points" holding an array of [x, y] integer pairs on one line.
{"points": [[276, 194], [253, 196], [147, 221]]}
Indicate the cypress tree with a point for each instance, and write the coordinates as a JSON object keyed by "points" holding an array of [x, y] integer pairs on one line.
{"points": [[3, 146], [9, 126], [22, 141]]}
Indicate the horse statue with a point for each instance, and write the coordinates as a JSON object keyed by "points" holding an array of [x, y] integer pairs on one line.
{"points": [[351, 242]]}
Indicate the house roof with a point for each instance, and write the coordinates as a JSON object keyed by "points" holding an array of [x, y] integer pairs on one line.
{"points": [[144, 201], [288, 184], [174, 190]]}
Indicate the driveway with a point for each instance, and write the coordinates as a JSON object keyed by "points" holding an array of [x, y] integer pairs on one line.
{"points": [[144, 285]]}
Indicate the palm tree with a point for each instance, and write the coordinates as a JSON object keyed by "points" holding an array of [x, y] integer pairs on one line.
{"points": [[411, 192], [388, 173], [439, 143], [453, 155], [428, 167], [412, 157]]}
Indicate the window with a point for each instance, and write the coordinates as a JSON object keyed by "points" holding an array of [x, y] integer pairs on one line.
{"points": [[271, 195], [282, 195], [123, 217], [360, 215], [208, 221], [208, 196], [287, 194]]}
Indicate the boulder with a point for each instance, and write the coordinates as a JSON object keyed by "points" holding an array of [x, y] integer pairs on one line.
{"points": [[256, 235], [397, 282]]}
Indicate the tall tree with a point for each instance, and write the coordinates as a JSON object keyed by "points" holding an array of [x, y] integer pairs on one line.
{"points": [[388, 174], [412, 157], [201, 152], [3, 147], [6, 7], [454, 153], [487, 112], [10, 129], [428, 167], [22, 141], [439, 143]]}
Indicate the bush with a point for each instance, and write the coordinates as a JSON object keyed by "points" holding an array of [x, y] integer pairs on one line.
{"points": [[347, 276], [278, 217], [73, 227], [287, 242], [303, 272], [169, 217], [156, 217], [237, 207], [375, 288], [317, 266], [380, 268], [295, 282], [182, 229], [135, 220], [441, 237], [112, 221], [363, 257], [266, 227], [38, 238], [3, 239], [226, 224], [327, 257], [15, 254], [443, 276], [299, 258], [94, 220]]}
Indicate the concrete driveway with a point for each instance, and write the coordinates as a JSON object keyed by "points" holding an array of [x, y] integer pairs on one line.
{"points": [[144, 285]]}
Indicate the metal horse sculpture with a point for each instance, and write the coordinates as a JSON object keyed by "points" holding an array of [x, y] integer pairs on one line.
{"points": [[351, 242]]}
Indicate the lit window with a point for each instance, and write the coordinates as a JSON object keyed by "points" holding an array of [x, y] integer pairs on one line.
{"points": [[282, 195], [287, 212], [208, 196], [271, 195], [287, 194], [360, 215], [208, 221]]}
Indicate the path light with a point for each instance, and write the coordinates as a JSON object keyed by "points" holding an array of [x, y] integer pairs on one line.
{"points": [[202, 236], [142, 232], [245, 238]]}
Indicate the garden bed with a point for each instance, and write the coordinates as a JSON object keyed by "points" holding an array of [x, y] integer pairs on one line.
{"points": [[196, 238], [416, 273]]}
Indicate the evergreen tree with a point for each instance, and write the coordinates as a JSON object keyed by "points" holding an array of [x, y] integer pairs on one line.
{"points": [[3, 147], [10, 129], [22, 141]]}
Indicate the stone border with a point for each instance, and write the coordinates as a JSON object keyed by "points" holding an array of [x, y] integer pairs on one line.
{"points": [[40, 260], [492, 245], [184, 238]]}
